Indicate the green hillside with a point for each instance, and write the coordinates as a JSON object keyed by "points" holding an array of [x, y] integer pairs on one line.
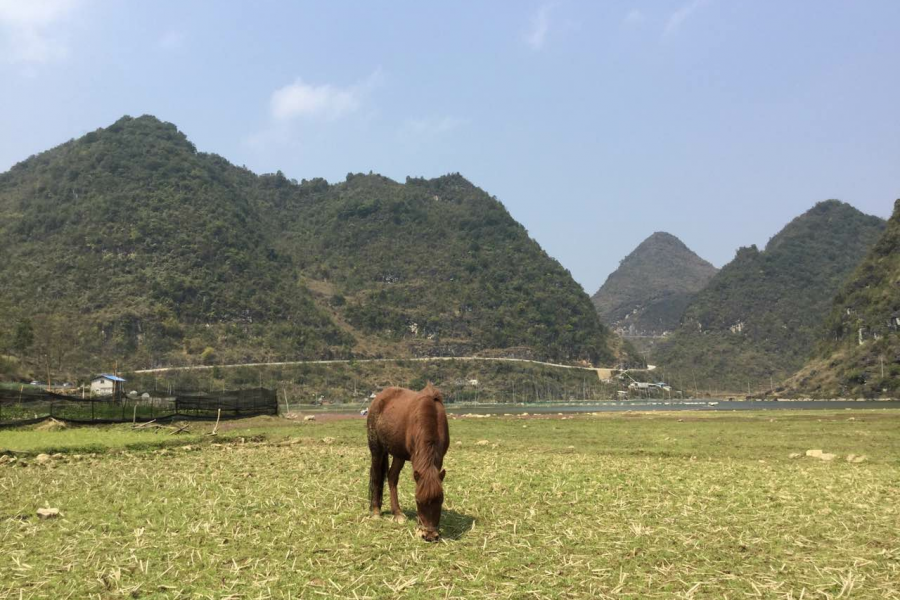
{"points": [[438, 264], [757, 320], [127, 244], [859, 348], [653, 285]]}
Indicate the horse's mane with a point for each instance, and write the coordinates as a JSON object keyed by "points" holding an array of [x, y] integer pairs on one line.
{"points": [[426, 455]]}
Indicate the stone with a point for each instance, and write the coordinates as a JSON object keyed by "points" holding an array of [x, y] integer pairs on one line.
{"points": [[820, 455], [42, 459], [482, 443], [794, 455], [47, 513], [309, 418]]}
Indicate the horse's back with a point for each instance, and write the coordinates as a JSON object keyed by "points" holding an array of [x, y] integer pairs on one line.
{"points": [[395, 413]]}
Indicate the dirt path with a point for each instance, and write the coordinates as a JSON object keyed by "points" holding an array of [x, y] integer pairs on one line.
{"points": [[602, 373]]}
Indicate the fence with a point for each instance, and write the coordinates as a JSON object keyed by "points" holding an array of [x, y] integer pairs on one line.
{"points": [[24, 406]]}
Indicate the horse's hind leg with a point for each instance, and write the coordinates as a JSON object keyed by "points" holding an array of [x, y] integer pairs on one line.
{"points": [[377, 473], [393, 478]]}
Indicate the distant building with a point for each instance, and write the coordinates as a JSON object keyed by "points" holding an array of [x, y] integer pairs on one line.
{"points": [[106, 385]]}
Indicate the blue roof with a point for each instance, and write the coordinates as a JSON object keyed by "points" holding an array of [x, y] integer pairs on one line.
{"points": [[110, 377]]}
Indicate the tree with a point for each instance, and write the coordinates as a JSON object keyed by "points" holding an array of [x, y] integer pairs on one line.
{"points": [[23, 337]]}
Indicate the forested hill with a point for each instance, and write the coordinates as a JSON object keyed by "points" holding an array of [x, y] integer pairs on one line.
{"points": [[128, 243], [859, 347], [758, 318], [653, 285]]}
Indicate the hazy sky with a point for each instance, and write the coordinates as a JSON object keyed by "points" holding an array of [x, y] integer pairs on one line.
{"points": [[595, 123]]}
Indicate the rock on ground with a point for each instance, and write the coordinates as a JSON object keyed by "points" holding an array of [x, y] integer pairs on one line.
{"points": [[820, 455], [47, 513]]}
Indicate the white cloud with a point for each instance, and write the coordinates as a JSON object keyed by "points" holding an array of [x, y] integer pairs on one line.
{"points": [[27, 30], [171, 40], [326, 101], [297, 103], [431, 126], [540, 25], [681, 15], [634, 17]]}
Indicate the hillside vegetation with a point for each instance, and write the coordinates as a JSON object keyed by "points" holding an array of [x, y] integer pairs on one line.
{"points": [[758, 319], [859, 348], [129, 245], [653, 285]]}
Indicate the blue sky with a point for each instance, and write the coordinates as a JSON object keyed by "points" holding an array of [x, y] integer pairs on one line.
{"points": [[595, 123]]}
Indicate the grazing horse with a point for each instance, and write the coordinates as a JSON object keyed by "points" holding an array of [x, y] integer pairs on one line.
{"points": [[412, 426]]}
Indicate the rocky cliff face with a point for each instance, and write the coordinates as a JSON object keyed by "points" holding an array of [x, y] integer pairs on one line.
{"points": [[858, 351]]}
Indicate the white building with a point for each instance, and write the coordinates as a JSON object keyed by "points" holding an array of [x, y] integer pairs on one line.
{"points": [[105, 385]]}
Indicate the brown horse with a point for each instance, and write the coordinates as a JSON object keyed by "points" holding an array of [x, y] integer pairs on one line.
{"points": [[409, 425]]}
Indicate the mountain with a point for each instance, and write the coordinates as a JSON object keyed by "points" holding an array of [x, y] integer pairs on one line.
{"points": [[130, 244], [648, 293], [859, 346], [757, 319]]}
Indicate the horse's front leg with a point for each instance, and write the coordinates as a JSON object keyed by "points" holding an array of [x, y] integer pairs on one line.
{"points": [[393, 478]]}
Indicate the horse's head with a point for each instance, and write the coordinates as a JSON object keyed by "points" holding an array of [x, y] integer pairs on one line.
{"points": [[429, 500]]}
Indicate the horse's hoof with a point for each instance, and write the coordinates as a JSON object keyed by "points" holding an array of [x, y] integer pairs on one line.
{"points": [[375, 514], [400, 518]]}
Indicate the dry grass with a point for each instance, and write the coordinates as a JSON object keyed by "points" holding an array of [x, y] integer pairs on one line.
{"points": [[642, 506]]}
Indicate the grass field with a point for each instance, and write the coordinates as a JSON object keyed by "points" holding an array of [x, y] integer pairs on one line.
{"points": [[660, 505]]}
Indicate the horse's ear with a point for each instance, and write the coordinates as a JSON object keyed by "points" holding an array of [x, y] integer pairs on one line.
{"points": [[417, 476], [443, 474]]}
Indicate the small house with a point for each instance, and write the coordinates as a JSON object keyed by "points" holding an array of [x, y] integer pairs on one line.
{"points": [[106, 385]]}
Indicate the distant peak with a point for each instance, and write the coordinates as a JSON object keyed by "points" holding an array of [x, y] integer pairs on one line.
{"points": [[663, 236], [143, 120], [450, 179], [829, 217], [662, 239], [147, 126]]}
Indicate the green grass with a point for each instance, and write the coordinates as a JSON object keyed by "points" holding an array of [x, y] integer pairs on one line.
{"points": [[626, 505], [83, 440]]}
